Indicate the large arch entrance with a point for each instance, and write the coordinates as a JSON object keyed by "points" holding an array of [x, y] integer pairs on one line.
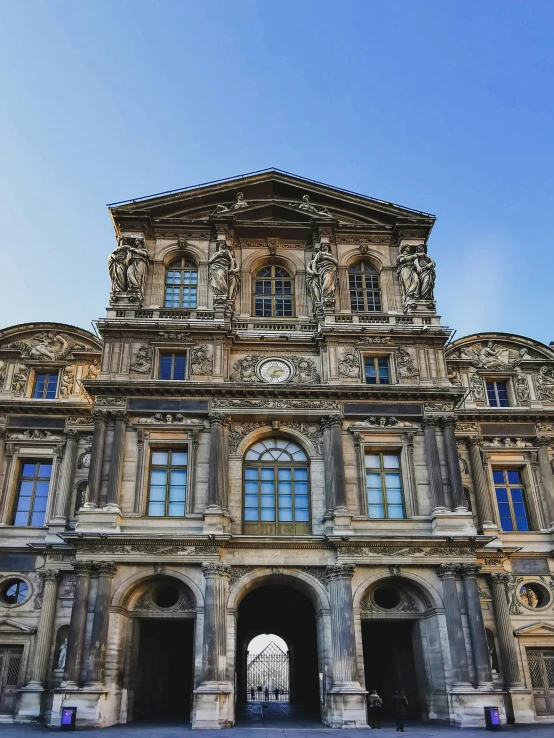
{"points": [[289, 614]]}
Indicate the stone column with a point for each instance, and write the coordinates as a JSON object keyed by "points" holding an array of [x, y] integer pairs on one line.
{"points": [[344, 290], [480, 484], [99, 636], [546, 477], [39, 672], [77, 624], [334, 461], [214, 660], [301, 301], [66, 477], [116, 464], [508, 652], [453, 461], [342, 624], [218, 469], [2, 454], [96, 459], [454, 625], [481, 660], [433, 465], [202, 301]]}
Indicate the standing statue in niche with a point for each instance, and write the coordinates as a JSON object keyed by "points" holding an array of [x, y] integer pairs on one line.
{"points": [[127, 266], [416, 272], [321, 277], [62, 655], [224, 274]]}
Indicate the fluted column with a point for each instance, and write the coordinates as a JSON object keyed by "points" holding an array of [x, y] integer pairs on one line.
{"points": [[454, 625], [116, 463], [334, 461], [301, 301], [214, 661], [433, 465], [508, 653], [77, 624], [342, 623], [99, 636], [39, 672], [480, 485], [2, 454], [202, 303], [218, 469], [453, 461], [546, 477], [344, 290], [66, 476], [96, 459], [481, 659]]}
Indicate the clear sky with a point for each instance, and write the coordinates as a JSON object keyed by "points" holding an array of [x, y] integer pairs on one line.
{"points": [[440, 105]]}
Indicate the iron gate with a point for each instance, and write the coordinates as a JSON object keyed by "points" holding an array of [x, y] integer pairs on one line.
{"points": [[267, 677]]}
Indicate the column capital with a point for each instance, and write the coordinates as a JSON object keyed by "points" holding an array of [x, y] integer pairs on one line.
{"points": [[470, 571], [331, 421], [499, 577], [216, 569], [72, 435], [448, 421], [49, 575], [219, 419], [105, 568], [472, 441], [100, 416], [83, 568], [429, 422], [448, 571], [340, 571], [543, 441], [120, 415], [3, 433]]}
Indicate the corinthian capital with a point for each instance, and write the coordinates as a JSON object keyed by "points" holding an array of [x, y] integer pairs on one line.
{"points": [[219, 419], [106, 568], [83, 568], [448, 571], [470, 571], [340, 571], [499, 577], [216, 569], [49, 575], [332, 420]]}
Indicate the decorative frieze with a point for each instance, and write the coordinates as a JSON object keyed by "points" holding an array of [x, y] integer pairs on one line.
{"points": [[269, 404]]}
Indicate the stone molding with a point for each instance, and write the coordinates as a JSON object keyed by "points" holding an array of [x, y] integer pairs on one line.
{"points": [[448, 571], [217, 569], [340, 571]]}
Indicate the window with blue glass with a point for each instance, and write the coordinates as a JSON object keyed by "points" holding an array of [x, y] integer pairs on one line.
{"points": [[173, 366], [168, 483], [497, 394], [32, 493], [510, 497], [181, 284], [46, 385], [276, 489], [385, 498], [365, 291], [273, 293], [376, 370]]}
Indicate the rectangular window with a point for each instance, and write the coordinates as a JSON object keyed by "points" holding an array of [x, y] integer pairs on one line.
{"points": [[510, 496], [497, 394], [384, 485], [376, 370], [173, 366], [168, 483], [32, 493], [45, 386]]}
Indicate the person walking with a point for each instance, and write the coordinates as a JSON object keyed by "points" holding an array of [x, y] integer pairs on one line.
{"points": [[253, 694], [375, 709], [399, 705], [266, 694], [277, 694]]}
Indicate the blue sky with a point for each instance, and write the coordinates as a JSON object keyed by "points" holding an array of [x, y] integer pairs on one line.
{"points": [[442, 106]]}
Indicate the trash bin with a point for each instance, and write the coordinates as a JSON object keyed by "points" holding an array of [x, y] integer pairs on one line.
{"points": [[492, 718], [69, 715]]}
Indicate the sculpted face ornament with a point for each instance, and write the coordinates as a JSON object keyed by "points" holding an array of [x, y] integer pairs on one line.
{"points": [[274, 371]]}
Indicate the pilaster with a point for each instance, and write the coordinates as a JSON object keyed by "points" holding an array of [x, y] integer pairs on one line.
{"points": [[447, 573], [481, 660]]}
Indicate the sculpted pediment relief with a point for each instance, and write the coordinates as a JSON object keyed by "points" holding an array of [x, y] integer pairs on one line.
{"points": [[502, 355], [49, 345]]}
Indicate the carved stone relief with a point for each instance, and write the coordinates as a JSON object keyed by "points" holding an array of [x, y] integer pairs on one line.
{"points": [[492, 355], [127, 266], [201, 361], [405, 365], [544, 383], [267, 404], [376, 422], [19, 379], [170, 419], [477, 388], [49, 346], [349, 365], [244, 370], [416, 273], [142, 361]]}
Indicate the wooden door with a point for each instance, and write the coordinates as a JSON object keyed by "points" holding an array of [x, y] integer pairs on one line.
{"points": [[10, 665], [541, 667]]}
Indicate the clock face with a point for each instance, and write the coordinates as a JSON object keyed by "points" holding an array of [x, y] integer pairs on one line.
{"points": [[275, 371]]}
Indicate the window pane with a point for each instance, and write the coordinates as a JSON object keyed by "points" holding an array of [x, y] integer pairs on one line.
{"points": [[376, 511], [179, 458], [285, 515], [251, 514], [29, 470], [41, 490], [250, 500], [373, 480], [301, 516], [268, 488], [158, 476], [391, 462], [300, 474], [285, 501], [394, 496], [372, 461], [160, 458], [156, 509], [24, 504], [502, 494], [165, 366], [268, 473], [157, 494], [20, 518], [177, 494], [26, 489], [517, 495], [284, 474], [498, 476], [301, 503], [40, 504], [392, 480], [176, 509], [44, 470], [268, 501], [396, 511], [37, 519], [374, 496], [178, 477], [250, 473], [178, 367], [268, 515], [514, 477], [251, 488]]}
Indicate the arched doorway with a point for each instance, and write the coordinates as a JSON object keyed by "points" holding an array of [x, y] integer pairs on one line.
{"points": [[288, 613], [267, 670], [159, 671]]}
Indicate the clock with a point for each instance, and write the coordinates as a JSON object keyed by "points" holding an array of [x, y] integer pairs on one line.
{"points": [[274, 371]]}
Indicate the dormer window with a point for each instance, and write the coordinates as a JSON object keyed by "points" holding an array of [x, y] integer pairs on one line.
{"points": [[181, 284], [497, 393], [46, 385], [365, 290], [273, 293]]}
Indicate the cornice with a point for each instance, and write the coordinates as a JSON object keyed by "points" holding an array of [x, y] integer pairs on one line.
{"points": [[507, 415]]}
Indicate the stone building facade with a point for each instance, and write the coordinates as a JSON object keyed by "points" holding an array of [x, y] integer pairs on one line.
{"points": [[274, 433]]}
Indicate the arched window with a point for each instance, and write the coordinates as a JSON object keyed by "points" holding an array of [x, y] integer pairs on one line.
{"points": [[365, 292], [276, 489], [273, 293], [181, 284]]}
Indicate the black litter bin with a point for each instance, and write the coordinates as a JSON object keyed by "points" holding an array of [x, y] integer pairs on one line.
{"points": [[69, 715], [492, 718]]}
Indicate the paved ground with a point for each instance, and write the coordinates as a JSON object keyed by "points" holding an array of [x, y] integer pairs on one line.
{"points": [[279, 721]]}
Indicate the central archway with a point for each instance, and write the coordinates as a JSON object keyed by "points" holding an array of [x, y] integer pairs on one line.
{"points": [[288, 613]]}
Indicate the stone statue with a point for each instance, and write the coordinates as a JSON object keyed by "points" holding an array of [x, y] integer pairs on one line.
{"points": [[127, 266], [544, 382], [307, 206], [522, 388], [416, 273], [62, 655], [240, 203], [224, 274], [49, 345], [321, 276], [93, 370]]}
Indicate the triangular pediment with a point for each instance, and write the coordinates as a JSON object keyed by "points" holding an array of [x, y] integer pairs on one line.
{"points": [[266, 197], [538, 629], [12, 626]]}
